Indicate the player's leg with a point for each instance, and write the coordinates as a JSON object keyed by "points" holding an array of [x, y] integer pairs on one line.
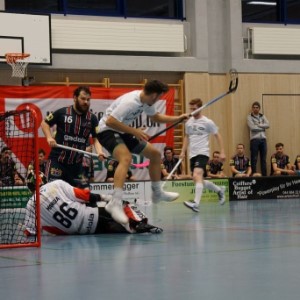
{"points": [[122, 154], [198, 179], [74, 175], [220, 190], [197, 164], [53, 170], [155, 175], [114, 143]]}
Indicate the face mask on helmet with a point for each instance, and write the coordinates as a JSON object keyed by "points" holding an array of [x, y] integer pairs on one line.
{"points": [[31, 180]]}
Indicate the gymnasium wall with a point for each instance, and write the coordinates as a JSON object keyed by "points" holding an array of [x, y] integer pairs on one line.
{"points": [[279, 95]]}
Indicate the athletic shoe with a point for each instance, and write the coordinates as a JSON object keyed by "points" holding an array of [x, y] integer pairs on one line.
{"points": [[164, 196], [221, 195], [192, 205], [115, 208]]}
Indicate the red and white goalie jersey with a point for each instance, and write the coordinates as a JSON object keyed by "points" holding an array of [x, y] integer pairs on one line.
{"points": [[63, 210]]}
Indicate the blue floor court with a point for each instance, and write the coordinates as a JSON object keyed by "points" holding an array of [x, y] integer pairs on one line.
{"points": [[244, 250]]}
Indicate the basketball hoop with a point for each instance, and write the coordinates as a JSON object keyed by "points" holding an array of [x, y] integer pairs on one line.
{"points": [[18, 63]]}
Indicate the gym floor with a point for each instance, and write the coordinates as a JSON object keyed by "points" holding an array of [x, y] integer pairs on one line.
{"points": [[242, 250]]}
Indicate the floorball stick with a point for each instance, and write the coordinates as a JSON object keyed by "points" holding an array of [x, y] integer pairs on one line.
{"points": [[233, 85], [172, 172], [141, 165]]}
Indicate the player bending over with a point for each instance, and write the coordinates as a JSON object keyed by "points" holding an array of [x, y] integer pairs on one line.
{"points": [[121, 139], [69, 210]]}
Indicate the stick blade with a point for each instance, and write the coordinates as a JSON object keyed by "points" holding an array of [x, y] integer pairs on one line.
{"points": [[234, 80]]}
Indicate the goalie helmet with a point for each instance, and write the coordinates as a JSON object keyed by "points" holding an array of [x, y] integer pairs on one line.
{"points": [[31, 180]]}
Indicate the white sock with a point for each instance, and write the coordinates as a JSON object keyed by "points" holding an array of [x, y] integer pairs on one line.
{"points": [[198, 192], [211, 186], [117, 194], [156, 187]]}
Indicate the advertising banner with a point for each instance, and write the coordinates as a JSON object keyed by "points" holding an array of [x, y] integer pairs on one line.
{"points": [[140, 191], [255, 188]]}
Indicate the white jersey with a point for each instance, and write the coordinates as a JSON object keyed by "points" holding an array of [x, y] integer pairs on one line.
{"points": [[126, 109], [63, 210], [198, 131]]}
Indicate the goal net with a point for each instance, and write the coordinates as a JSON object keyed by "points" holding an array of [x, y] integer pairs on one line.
{"points": [[18, 146]]}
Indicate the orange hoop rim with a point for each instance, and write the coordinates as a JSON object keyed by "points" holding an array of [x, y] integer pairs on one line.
{"points": [[13, 57]]}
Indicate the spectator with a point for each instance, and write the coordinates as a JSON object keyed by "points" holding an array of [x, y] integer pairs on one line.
{"points": [[18, 179], [168, 163], [258, 123], [7, 167], [111, 168], [214, 167], [42, 161], [240, 164], [297, 164], [280, 162]]}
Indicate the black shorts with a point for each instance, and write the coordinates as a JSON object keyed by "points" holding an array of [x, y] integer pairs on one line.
{"points": [[199, 161], [109, 139]]}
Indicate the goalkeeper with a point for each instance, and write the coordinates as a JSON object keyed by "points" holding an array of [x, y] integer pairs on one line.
{"points": [[69, 210]]}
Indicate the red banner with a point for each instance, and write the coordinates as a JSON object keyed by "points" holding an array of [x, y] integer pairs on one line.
{"points": [[44, 99]]}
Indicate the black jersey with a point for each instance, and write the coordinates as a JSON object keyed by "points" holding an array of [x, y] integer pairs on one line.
{"points": [[214, 168], [281, 161], [72, 130], [7, 171], [170, 164], [241, 163]]}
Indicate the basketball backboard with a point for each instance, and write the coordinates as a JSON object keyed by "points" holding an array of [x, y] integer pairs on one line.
{"points": [[26, 33]]}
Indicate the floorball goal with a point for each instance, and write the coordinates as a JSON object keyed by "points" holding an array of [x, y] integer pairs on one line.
{"points": [[19, 148]]}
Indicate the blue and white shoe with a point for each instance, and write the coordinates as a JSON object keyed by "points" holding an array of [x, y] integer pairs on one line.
{"points": [[192, 205]]}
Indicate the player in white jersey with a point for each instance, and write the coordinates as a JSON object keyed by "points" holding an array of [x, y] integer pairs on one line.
{"points": [[69, 210], [198, 130], [120, 139]]}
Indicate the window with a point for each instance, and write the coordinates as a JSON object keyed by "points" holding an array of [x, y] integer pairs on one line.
{"points": [[46, 6], [271, 11], [166, 9]]}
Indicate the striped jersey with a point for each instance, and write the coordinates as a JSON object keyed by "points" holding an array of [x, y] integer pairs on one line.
{"points": [[213, 167], [72, 130], [281, 161], [241, 163]]}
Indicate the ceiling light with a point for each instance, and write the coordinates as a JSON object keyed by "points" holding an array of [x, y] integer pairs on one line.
{"points": [[262, 3]]}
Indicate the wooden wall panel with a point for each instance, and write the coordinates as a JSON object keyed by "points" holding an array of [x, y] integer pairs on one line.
{"points": [[230, 113]]}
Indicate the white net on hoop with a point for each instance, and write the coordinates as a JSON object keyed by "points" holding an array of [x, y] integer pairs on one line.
{"points": [[18, 65]]}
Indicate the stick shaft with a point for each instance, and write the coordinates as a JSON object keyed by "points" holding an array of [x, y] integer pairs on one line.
{"points": [[192, 114], [172, 172], [78, 150], [232, 88], [142, 165]]}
